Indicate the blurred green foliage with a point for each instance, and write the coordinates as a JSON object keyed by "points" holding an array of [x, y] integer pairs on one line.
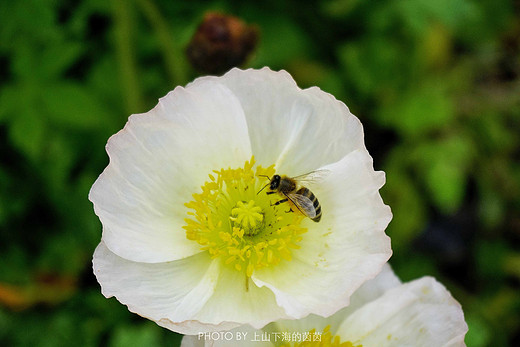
{"points": [[436, 84]]}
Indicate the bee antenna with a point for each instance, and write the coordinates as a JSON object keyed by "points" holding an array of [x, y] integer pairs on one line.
{"points": [[269, 178], [262, 188]]}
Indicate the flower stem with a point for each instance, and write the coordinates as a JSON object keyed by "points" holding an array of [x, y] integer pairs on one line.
{"points": [[175, 65], [126, 55]]}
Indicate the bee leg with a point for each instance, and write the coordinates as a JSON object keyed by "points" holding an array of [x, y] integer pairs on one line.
{"points": [[290, 210], [269, 193], [280, 202]]}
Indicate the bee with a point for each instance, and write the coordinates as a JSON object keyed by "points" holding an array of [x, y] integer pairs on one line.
{"points": [[292, 190]]}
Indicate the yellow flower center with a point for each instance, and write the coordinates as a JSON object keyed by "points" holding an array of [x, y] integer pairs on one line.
{"points": [[247, 217], [231, 220], [325, 339]]}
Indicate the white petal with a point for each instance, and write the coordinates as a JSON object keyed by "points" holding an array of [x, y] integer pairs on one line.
{"points": [[158, 161], [372, 289], [298, 130], [369, 291], [231, 301], [168, 293], [419, 313], [341, 252], [303, 325], [192, 341]]}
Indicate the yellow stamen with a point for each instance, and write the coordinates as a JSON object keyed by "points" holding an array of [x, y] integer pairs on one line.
{"points": [[231, 221]]}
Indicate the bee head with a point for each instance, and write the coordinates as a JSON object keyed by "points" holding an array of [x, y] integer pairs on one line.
{"points": [[275, 182]]}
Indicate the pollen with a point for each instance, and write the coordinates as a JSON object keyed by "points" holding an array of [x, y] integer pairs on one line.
{"points": [[314, 339], [232, 219]]}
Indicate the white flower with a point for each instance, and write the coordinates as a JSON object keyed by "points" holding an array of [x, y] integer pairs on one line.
{"points": [[189, 242], [383, 312]]}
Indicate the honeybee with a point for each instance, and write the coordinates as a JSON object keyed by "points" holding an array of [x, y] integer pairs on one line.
{"points": [[292, 190]]}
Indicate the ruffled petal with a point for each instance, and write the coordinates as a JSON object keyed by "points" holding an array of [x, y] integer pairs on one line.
{"points": [[341, 252], [237, 301], [419, 313], [158, 161], [193, 341], [168, 293], [298, 130], [369, 291]]}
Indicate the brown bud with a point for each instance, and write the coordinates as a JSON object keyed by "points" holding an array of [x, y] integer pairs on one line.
{"points": [[220, 43]]}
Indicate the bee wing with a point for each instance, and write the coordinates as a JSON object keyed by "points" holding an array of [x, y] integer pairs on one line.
{"points": [[312, 177], [304, 204]]}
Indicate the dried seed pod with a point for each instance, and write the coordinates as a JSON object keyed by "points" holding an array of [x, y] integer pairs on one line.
{"points": [[220, 43]]}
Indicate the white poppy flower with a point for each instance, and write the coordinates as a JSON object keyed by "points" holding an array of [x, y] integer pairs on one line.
{"points": [[191, 242], [383, 312]]}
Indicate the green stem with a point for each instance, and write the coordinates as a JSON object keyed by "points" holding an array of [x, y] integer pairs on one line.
{"points": [[126, 55], [173, 57]]}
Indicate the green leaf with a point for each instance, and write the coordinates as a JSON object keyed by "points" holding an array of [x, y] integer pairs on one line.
{"points": [[495, 133], [444, 165], [413, 265], [479, 333], [408, 206], [420, 110], [491, 206], [144, 335], [10, 99], [27, 132], [281, 42], [69, 104], [418, 14], [372, 65], [31, 20], [447, 184], [104, 80], [56, 166], [490, 260], [57, 58]]}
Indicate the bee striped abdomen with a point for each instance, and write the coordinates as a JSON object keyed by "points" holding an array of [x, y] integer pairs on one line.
{"points": [[308, 194]]}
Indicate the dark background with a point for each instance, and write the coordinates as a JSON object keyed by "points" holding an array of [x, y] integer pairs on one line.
{"points": [[435, 83]]}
